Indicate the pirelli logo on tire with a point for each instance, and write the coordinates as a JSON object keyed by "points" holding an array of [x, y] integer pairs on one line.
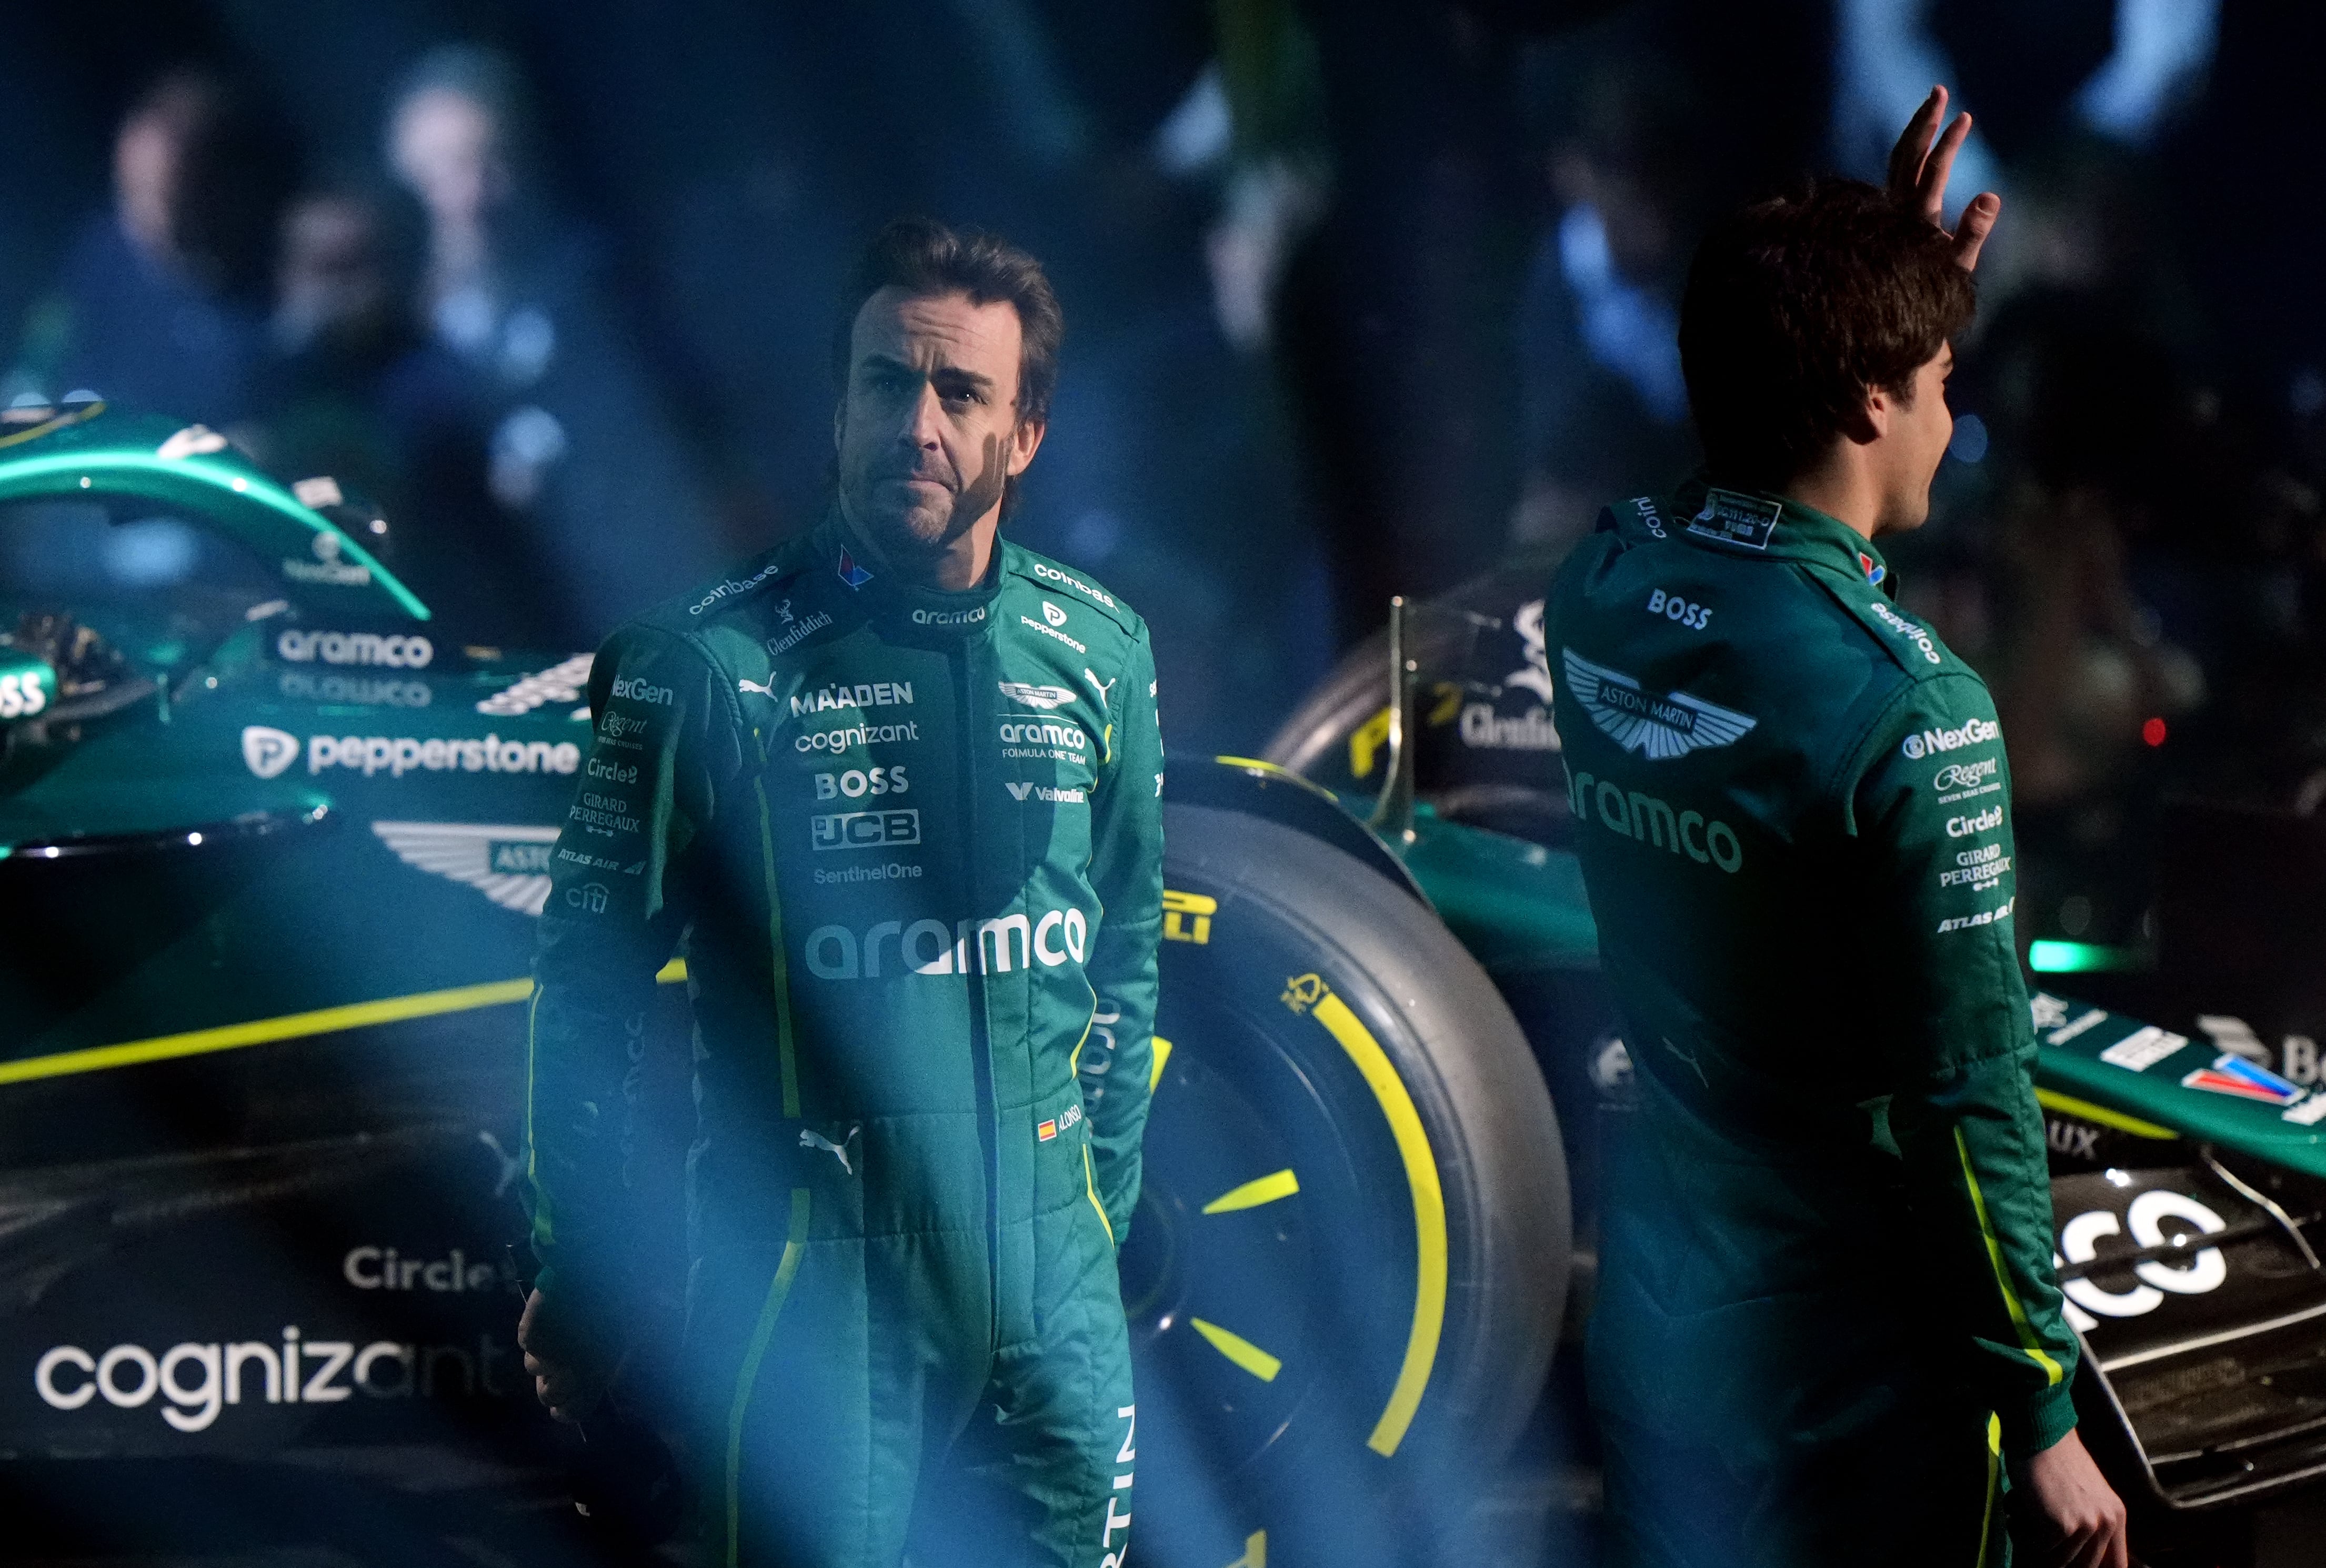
{"points": [[1188, 916]]}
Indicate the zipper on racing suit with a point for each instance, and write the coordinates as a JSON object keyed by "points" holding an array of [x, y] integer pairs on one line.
{"points": [[980, 1034]]}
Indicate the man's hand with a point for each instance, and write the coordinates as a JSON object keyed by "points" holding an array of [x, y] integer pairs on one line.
{"points": [[559, 1380], [2077, 1507], [1918, 177]]}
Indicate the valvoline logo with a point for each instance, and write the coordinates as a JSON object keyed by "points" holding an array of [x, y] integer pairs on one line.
{"points": [[853, 575], [2232, 1075], [1875, 571]]}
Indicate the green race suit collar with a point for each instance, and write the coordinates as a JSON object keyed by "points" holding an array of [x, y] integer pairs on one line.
{"points": [[889, 596], [1755, 523]]}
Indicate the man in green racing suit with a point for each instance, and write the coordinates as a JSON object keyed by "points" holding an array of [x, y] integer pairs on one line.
{"points": [[1827, 1326], [891, 791]]}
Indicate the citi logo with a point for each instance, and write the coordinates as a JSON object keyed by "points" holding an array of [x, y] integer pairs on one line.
{"points": [[1964, 827], [864, 829], [1932, 741], [895, 949]]}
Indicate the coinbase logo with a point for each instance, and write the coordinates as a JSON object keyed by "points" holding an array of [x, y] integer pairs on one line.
{"points": [[268, 752]]}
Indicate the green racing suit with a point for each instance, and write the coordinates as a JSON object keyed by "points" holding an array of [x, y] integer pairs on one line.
{"points": [[1826, 1315], [909, 846]]}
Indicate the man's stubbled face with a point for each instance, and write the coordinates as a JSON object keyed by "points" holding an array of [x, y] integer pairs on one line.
{"points": [[927, 427]]}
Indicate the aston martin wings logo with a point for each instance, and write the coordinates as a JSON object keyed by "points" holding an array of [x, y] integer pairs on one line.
{"points": [[1657, 728], [1038, 696], [508, 865]]}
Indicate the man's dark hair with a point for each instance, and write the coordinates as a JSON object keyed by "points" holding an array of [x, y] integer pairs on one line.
{"points": [[1796, 308], [926, 259]]}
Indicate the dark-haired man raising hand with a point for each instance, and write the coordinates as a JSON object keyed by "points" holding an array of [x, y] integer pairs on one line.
{"points": [[1827, 1331], [891, 790]]}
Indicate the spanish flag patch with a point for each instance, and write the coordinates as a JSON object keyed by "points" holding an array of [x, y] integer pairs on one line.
{"points": [[1047, 1131]]}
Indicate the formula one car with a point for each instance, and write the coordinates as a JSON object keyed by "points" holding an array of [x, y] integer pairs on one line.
{"points": [[270, 844]]}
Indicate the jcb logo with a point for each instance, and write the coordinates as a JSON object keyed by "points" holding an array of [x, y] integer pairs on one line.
{"points": [[1188, 916], [865, 830]]}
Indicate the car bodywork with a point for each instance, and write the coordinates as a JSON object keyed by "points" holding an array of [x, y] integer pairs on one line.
{"points": [[267, 853]]}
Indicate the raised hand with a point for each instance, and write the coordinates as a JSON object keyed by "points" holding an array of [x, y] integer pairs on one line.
{"points": [[1918, 177]]}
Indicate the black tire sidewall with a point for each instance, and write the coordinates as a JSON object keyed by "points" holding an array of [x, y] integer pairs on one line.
{"points": [[1289, 905]]}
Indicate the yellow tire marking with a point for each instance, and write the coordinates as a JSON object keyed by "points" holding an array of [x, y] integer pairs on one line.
{"points": [[1177, 909], [1365, 741], [1239, 1349], [1429, 1219], [1252, 1194], [1260, 765], [2067, 1105], [1162, 1054], [290, 1026]]}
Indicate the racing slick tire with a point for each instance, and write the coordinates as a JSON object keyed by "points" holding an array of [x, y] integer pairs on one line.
{"points": [[1349, 1262]]}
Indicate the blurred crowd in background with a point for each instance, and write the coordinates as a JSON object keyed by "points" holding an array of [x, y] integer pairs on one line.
{"points": [[1362, 296]]}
